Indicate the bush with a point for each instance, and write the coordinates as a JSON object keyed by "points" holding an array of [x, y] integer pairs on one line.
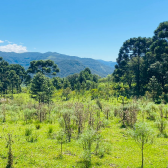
{"points": [[28, 131], [38, 126]]}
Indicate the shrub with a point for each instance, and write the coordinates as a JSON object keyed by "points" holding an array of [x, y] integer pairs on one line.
{"points": [[38, 126], [28, 131]]}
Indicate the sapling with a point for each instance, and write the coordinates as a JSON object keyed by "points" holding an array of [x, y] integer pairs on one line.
{"points": [[99, 104], [61, 138], [3, 112], [67, 115], [87, 139], [99, 150], [123, 112], [161, 121], [91, 116], [50, 132], [79, 113], [143, 136], [10, 155], [106, 111], [42, 111]]}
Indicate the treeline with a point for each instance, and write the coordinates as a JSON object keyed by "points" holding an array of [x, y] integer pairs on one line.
{"points": [[41, 81], [143, 66], [11, 77], [84, 80]]}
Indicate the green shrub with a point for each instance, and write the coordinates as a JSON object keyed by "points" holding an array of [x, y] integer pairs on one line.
{"points": [[28, 131], [38, 126]]}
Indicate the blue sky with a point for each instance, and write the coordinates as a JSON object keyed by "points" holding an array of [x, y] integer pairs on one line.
{"points": [[85, 28]]}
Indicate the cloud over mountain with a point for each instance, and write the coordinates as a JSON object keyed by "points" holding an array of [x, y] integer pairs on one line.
{"points": [[13, 48]]}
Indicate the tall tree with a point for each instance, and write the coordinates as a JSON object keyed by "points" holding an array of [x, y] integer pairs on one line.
{"points": [[132, 50], [4, 69], [159, 55], [20, 75], [46, 67], [14, 79], [41, 88]]}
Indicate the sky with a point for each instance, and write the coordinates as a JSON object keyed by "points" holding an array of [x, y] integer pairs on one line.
{"points": [[85, 28]]}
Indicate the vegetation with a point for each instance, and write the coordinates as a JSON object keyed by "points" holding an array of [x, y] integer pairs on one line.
{"points": [[84, 120], [142, 65]]}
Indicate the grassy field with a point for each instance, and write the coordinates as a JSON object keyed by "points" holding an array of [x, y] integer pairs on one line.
{"points": [[42, 150]]}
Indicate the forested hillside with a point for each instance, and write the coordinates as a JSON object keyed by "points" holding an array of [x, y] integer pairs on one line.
{"points": [[67, 64]]}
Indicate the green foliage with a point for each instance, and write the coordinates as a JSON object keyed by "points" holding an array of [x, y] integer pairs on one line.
{"points": [[41, 88], [50, 132], [79, 121], [86, 140], [45, 67], [28, 131], [143, 64], [143, 135], [161, 122], [155, 88], [10, 155], [38, 126], [94, 94], [66, 93], [61, 138], [57, 82], [11, 77]]}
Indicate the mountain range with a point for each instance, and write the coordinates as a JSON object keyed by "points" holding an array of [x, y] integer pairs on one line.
{"points": [[67, 64]]}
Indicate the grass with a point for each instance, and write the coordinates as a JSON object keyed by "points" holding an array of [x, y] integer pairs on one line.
{"points": [[120, 149]]}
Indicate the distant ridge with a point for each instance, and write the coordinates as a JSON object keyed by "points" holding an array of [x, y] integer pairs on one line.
{"points": [[67, 64]]}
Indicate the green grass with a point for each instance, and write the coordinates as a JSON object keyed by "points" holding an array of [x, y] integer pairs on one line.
{"points": [[120, 149]]}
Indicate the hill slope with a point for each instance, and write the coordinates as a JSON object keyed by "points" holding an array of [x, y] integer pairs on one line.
{"points": [[67, 64]]}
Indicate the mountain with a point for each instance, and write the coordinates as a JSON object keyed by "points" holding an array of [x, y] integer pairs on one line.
{"points": [[108, 63], [67, 64]]}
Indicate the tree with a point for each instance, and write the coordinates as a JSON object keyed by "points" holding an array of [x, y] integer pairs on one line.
{"points": [[132, 48], [143, 136], [155, 88], [66, 93], [161, 122], [10, 155], [57, 82], [20, 71], [87, 139], [79, 113], [49, 92], [21, 74], [46, 67], [81, 77], [66, 84], [14, 79], [4, 68], [73, 79], [41, 88], [159, 55], [67, 115], [61, 138]]}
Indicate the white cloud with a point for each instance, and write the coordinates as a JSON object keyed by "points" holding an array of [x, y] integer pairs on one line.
{"points": [[13, 48], [1, 41]]}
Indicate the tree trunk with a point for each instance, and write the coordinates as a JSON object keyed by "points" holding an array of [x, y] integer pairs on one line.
{"points": [[138, 83], [61, 148], [142, 155]]}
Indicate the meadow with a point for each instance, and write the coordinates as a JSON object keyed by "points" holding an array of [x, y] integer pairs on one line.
{"points": [[80, 132]]}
